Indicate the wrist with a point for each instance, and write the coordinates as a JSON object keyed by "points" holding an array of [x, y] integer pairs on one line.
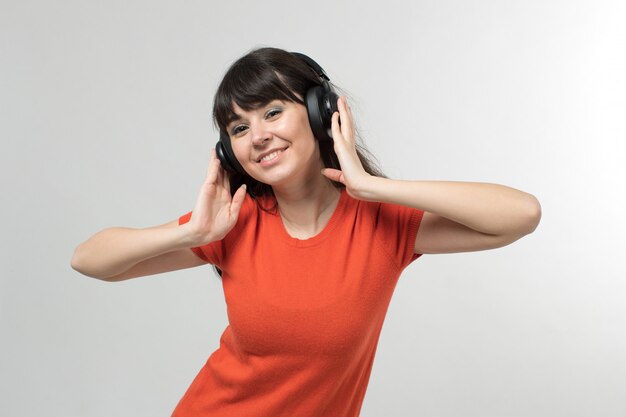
{"points": [[368, 189], [188, 237]]}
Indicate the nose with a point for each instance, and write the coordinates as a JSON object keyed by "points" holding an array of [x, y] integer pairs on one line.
{"points": [[260, 134]]}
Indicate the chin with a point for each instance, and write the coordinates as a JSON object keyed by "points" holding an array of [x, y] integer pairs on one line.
{"points": [[275, 177]]}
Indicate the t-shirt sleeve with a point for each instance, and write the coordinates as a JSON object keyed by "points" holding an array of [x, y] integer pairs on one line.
{"points": [[398, 226], [215, 252]]}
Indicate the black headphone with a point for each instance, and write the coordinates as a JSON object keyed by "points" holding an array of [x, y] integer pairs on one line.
{"points": [[320, 102]]}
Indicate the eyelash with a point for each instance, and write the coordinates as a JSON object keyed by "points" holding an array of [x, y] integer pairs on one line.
{"points": [[270, 113]]}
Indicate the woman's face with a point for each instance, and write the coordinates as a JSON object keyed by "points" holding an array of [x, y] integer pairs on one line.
{"points": [[274, 143]]}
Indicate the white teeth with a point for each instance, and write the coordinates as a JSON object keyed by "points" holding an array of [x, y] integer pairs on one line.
{"points": [[270, 156]]}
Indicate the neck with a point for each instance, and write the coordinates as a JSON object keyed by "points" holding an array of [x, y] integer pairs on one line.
{"points": [[305, 210]]}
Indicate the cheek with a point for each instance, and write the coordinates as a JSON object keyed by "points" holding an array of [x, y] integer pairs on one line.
{"points": [[305, 133], [306, 126], [239, 149]]}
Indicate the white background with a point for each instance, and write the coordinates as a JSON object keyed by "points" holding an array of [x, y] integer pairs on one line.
{"points": [[105, 120]]}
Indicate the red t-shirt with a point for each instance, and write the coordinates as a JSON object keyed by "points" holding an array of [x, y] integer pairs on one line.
{"points": [[304, 315]]}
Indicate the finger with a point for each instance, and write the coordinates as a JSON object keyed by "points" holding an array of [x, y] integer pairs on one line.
{"points": [[213, 168], [237, 202], [335, 128], [346, 118], [348, 108], [333, 174], [224, 184], [220, 176], [224, 177]]}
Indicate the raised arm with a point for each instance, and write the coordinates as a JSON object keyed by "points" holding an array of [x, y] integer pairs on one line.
{"points": [[458, 216], [119, 253], [461, 216]]}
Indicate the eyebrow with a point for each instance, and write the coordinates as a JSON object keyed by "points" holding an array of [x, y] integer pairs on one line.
{"points": [[232, 118], [235, 117]]}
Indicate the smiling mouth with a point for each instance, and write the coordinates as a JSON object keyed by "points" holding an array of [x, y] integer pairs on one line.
{"points": [[271, 156]]}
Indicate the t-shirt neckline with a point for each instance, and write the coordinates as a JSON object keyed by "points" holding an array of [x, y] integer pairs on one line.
{"points": [[326, 231]]}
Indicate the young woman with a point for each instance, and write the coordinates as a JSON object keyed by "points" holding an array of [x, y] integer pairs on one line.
{"points": [[310, 240]]}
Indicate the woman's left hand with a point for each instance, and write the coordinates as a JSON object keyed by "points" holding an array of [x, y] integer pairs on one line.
{"points": [[352, 174]]}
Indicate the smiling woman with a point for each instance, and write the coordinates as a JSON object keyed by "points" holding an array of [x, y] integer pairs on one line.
{"points": [[277, 82], [311, 240], [274, 143]]}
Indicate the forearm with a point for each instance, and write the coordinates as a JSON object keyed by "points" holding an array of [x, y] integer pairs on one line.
{"points": [[488, 208], [115, 250]]}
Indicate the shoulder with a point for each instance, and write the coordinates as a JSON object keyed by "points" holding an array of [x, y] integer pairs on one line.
{"points": [[391, 227], [253, 208], [263, 203], [381, 210]]}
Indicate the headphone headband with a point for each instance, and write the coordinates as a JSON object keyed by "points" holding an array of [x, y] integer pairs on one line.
{"points": [[314, 65]]}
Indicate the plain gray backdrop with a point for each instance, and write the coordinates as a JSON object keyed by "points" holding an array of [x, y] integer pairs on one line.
{"points": [[105, 121]]}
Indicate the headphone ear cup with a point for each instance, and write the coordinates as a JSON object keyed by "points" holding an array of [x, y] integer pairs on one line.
{"points": [[320, 105], [225, 154], [332, 107]]}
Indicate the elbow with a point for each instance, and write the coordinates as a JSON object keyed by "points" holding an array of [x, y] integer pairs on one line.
{"points": [[536, 214], [76, 262], [79, 265], [524, 226], [526, 221], [533, 217]]}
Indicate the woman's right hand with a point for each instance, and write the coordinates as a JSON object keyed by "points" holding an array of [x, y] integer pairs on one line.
{"points": [[215, 212]]}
